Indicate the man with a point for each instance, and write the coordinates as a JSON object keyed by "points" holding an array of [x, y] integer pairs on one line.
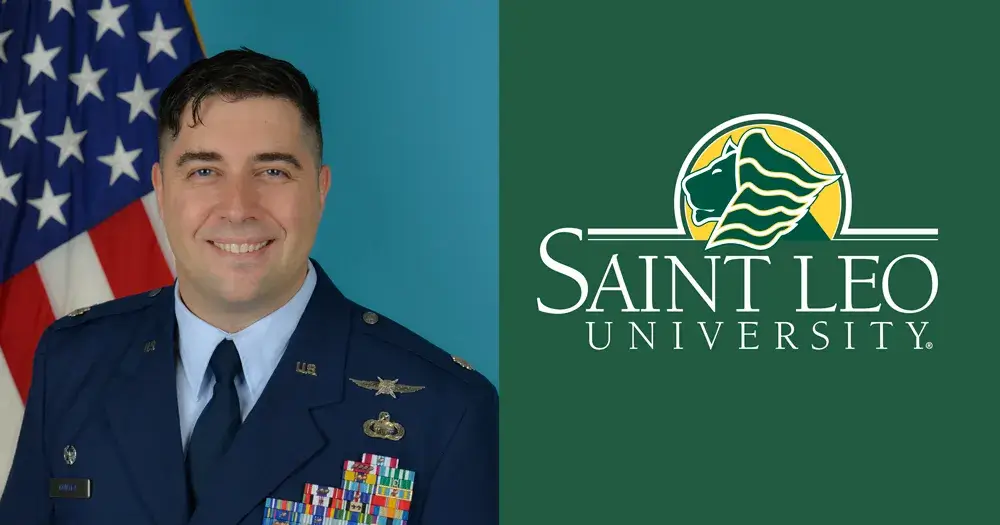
{"points": [[252, 386]]}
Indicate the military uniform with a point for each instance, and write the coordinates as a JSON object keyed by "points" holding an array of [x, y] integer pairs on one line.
{"points": [[354, 390]]}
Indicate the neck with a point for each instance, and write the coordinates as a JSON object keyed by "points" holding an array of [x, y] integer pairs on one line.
{"points": [[231, 317]]}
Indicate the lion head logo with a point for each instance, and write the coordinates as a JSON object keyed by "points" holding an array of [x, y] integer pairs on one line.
{"points": [[755, 192]]}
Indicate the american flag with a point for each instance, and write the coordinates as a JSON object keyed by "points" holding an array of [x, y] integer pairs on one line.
{"points": [[80, 81]]}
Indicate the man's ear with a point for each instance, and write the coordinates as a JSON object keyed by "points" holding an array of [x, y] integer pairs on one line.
{"points": [[157, 177], [324, 185]]}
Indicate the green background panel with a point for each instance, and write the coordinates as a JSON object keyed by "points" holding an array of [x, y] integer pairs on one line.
{"points": [[600, 104]]}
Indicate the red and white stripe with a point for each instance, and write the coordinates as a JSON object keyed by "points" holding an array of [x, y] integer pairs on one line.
{"points": [[126, 254]]}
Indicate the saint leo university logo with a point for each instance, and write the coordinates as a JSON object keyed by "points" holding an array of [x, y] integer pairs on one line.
{"points": [[752, 184], [759, 180]]}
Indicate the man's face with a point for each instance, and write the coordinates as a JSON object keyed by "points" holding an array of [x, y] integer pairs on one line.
{"points": [[241, 196]]}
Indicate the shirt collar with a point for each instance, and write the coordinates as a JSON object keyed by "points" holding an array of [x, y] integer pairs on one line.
{"points": [[260, 345]]}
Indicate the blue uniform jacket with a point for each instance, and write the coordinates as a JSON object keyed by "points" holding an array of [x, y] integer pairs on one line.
{"points": [[104, 384]]}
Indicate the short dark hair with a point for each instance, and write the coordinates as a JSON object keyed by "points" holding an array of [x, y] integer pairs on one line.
{"points": [[235, 75]]}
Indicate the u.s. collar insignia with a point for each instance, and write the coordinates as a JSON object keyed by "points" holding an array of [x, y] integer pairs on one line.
{"points": [[383, 428], [386, 386]]}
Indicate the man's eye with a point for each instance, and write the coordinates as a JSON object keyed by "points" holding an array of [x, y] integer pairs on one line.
{"points": [[203, 172], [274, 172]]}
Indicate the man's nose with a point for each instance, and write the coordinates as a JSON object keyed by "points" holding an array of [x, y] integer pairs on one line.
{"points": [[239, 199]]}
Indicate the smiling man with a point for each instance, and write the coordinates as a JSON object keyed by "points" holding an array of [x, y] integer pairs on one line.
{"points": [[241, 187], [252, 391]]}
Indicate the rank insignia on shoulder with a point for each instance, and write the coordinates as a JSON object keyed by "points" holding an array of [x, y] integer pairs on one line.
{"points": [[79, 311], [383, 428], [386, 386], [462, 362]]}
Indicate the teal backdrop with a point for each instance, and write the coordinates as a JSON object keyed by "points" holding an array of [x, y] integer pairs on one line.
{"points": [[409, 95]]}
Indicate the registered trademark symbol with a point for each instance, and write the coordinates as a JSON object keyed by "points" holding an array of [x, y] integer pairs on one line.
{"points": [[929, 345]]}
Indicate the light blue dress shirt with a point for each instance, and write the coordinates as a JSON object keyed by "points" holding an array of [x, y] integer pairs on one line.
{"points": [[260, 346]]}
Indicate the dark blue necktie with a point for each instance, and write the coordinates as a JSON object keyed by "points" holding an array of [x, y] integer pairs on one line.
{"points": [[218, 423]]}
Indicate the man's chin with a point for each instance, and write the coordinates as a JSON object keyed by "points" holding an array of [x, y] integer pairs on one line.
{"points": [[240, 293]]}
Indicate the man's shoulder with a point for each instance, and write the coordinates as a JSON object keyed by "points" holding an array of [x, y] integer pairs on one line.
{"points": [[82, 348], [113, 313], [397, 341]]}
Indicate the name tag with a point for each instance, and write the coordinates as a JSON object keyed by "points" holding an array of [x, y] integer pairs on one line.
{"points": [[78, 488]]}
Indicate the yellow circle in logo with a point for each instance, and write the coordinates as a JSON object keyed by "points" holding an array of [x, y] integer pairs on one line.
{"points": [[826, 209]]}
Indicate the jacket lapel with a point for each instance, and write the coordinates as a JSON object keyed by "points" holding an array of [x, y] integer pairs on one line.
{"points": [[143, 416], [280, 435]]}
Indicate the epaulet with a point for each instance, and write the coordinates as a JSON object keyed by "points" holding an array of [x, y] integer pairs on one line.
{"points": [[391, 332], [90, 313]]}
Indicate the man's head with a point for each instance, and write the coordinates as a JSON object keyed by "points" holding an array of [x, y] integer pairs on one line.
{"points": [[240, 181]]}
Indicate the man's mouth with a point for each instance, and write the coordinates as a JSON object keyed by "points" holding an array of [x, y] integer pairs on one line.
{"points": [[239, 248]]}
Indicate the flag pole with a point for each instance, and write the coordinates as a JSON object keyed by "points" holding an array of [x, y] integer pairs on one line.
{"points": [[194, 24]]}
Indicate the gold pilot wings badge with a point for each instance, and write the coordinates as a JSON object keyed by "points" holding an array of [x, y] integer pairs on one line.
{"points": [[386, 386]]}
